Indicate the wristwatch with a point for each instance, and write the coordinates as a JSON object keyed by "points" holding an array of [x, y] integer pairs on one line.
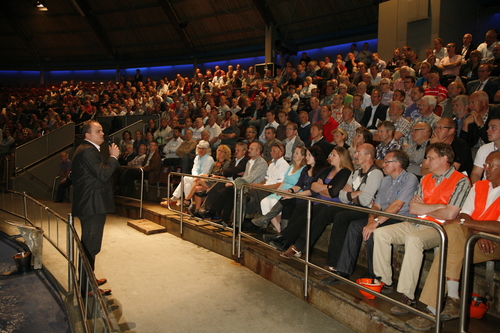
{"points": [[376, 220], [462, 221]]}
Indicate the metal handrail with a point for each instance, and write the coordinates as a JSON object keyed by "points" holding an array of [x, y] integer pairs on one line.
{"points": [[113, 136], [182, 214], [78, 287], [47, 151], [468, 261], [237, 221], [141, 198], [439, 229]]}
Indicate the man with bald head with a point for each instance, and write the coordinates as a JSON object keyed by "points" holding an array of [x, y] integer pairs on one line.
{"points": [[494, 145], [480, 213], [474, 127], [467, 47]]}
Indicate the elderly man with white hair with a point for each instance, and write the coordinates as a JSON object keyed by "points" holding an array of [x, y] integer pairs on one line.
{"points": [[385, 89], [426, 106], [202, 164], [305, 92]]}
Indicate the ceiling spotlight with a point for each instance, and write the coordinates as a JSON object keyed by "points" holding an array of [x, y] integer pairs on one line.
{"points": [[41, 6]]}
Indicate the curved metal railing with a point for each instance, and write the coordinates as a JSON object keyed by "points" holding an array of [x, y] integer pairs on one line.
{"points": [[238, 219], [468, 261], [62, 236]]}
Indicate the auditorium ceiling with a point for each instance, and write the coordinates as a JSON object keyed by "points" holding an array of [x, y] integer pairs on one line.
{"points": [[79, 34]]}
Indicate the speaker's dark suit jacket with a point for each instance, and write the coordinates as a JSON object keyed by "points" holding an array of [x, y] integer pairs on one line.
{"points": [[92, 185], [380, 113]]}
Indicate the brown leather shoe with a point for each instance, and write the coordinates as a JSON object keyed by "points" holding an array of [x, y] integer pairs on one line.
{"points": [[291, 252], [100, 282]]}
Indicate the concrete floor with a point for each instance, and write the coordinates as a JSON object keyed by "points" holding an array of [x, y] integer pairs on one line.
{"points": [[162, 283]]}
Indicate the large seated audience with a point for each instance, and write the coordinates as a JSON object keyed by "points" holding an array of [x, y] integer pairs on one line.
{"points": [[399, 135]]}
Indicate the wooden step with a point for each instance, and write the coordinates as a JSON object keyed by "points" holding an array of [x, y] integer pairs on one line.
{"points": [[146, 227]]}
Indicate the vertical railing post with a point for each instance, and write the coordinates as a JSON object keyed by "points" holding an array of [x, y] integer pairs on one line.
{"points": [[308, 235], [235, 216], [70, 249], [25, 207], [181, 221], [240, 218], [442, 276], [142, 191]]}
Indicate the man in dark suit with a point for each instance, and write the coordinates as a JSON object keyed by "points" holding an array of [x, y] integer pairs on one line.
{"points": [[485, 83], [292, 141], [151, 167], [220, 199], [138, 76], [374, 112], [92, 189], [317, 139], [128, 155], [467, 47]]}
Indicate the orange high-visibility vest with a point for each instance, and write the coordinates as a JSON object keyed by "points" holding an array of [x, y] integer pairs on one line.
{"points": [[439, 194], [481, 212]]}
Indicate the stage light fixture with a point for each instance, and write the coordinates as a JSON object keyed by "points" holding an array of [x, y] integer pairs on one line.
{"points": [[41, 7]]}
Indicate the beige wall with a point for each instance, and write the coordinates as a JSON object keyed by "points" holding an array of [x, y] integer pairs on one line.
{"points": [[408, 22]]}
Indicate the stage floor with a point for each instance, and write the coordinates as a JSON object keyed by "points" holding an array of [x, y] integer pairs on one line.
{"points": [[161, 283]]}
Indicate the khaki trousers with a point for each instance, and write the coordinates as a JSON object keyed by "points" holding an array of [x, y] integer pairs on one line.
{"points": [[416, 239], [457, 237]]}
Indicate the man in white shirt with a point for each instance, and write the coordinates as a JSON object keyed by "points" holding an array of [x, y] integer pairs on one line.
{"points": [[163, 132], [214, 131], [274, 178], [270, 123], [171, 158], [451, 64], [198, 128], [483, 152], [361, 89], [375, 74], [486, 48]]}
